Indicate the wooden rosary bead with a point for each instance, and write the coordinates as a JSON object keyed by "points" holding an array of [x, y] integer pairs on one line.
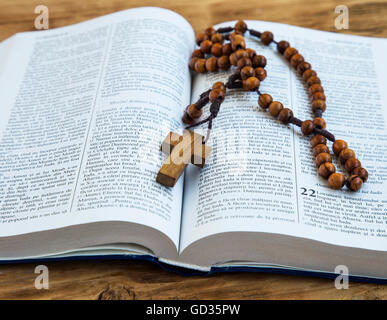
{"points": [[326, 169], [240, 26], [320, 148], [302, 67], [200, 66], [267, 37], [251, 53], [318, 139], [244, 62], [187, 119], [241, 53], [319, 96], [233, 59], [315, 88], [193, 112], [259, 61], [197, 54], [216, 49], [219, 85], [217, 38], [313, 80], [308, 73], [351, 164], [285, 115], [238, 42], [227, 49], [346, 154], [322, 158], [339, 145], [296, 59], [211, 64], [192, 63], [205, 46], [265, 100], [209, 32], [282, 46], [275, 107], [247, 72], [217, 93], [354, 183], [224, 62], [307, 127], [319, 123], [232, 35], [362, 173], [318, 104], [200, 38], [336, 180], [251, 83], [290, 52], [260, 73]]}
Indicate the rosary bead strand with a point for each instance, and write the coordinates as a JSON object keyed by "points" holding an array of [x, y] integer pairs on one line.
{"points": [[348, 158], [249, 74]]}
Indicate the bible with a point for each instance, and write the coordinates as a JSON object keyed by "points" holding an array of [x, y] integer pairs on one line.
{"points": [[85, 109]]}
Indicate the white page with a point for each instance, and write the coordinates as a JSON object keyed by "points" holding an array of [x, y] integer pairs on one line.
{"points": [[94, 101], [253, 179]]}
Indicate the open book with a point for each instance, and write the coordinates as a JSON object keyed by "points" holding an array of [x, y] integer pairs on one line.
{"points": [[84, 110]]}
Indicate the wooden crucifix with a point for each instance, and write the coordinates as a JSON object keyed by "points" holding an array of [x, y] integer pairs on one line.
{"points": [[181, 150]]}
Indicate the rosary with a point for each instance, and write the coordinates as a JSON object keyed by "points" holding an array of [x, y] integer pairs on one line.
{"points": [[214, 54]]}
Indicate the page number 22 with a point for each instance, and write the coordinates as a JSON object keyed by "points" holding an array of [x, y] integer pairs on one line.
{"points": [[308, 192]]}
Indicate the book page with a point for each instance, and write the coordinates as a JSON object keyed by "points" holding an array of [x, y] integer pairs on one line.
{"points": [[86, 109], [261, 176]]}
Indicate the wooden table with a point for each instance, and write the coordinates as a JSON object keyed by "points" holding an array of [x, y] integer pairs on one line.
{"points": [[142, 280]]}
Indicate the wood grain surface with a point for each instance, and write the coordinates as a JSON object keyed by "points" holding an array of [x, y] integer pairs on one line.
{"points": [[98, 279]]}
